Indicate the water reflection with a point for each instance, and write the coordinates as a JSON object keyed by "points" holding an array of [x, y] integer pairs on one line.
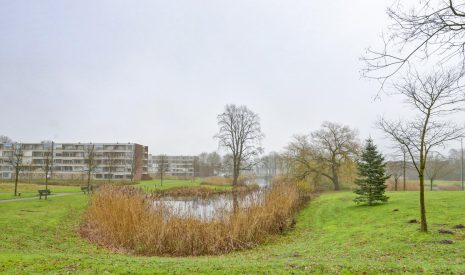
{"points": [[214, 207]]}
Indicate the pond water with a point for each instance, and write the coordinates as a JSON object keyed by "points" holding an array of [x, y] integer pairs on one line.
{"points": [[213, 207]]}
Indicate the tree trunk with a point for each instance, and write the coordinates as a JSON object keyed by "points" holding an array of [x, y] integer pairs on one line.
{"points": [[405, 181], [16, 182], [235, 177], [431, 184], [46, 181], [335, 178], [88, 181], [395, 184], [235, 173], [424, 226]]}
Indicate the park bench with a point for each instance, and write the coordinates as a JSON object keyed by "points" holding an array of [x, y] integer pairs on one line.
{"points": [[44, 193]]}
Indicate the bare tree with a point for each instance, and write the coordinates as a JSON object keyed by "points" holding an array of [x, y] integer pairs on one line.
{"points": [[323, 153], [432, 97], [301, 156], [28, 170], [240, 133], [430, 30], [110, 162], [404, 166], [227, 164], [47, 165], [195, 167], [214, 163], [133, 164], [5, 139], [162, 166], [90, 159], [15, 159], [395, 169], [401, 153], [436, 166], [272, 164], [333, 144]]}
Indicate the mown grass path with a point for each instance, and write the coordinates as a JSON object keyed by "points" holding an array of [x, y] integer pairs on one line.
{"points": [[332, 236]]}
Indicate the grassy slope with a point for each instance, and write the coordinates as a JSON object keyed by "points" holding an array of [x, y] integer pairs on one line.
{"points": [[332, 235], [30, 190], [155, 184]]}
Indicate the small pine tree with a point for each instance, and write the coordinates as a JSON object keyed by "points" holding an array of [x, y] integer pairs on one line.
{"points": [[371, 176]]}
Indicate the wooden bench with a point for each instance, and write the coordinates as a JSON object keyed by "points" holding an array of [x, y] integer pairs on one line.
{"points": [[44, 193]]}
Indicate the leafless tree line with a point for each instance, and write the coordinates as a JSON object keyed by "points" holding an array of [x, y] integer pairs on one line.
{"points": [[323, 153]]}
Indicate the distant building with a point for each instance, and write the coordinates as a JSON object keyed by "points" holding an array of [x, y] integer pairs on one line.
{"points": [[113, 160], [177, 166]]}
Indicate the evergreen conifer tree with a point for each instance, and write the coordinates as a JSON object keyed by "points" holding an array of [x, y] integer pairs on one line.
{"points": [[371, 176]]}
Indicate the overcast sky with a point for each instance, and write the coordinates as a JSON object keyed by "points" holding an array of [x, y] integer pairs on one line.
{"points": [[159, 72]]}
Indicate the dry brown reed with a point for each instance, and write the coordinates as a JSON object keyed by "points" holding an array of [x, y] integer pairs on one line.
{"points": [[414, 185], [201, 192], [222, 181], [126, 219], [218, 181]]}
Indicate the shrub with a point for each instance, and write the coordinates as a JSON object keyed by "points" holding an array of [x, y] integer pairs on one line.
{"points": [[127, 219]]}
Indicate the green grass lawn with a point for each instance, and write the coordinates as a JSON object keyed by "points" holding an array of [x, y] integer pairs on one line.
{"points": [[30, 190], [332, 235], [155, 184]]}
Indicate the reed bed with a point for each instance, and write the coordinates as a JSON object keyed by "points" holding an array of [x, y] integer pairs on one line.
{"points": [[126, 219], [217, 181], [222, 181], [202, 192], [415, 186]]}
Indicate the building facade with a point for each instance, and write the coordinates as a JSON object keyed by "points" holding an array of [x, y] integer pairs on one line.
{"points": [[73, 160], [176, 166]]}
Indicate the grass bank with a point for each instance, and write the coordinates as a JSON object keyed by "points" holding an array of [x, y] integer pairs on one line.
{"points": [[331, 236], [156, 184], [30, 190]]}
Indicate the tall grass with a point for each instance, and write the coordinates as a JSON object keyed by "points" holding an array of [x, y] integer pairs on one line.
{"points": [[125, 218], [414, 185], [202, 192], [219, 181]]}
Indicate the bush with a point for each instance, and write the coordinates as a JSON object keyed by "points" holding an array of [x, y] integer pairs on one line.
{"points": [[125, 218]]}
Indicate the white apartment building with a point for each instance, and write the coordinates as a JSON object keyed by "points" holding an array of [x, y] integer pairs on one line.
{"points": [[70, 160], [178, 166]]}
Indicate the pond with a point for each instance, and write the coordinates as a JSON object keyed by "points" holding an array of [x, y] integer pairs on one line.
{"points": [[213, 207]]}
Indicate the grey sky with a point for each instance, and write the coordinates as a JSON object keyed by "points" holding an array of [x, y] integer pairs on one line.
{"points": [[158, 72]]}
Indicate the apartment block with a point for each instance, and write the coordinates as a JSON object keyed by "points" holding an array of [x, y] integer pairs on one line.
{"points": [[178, 166], [121, 161]]}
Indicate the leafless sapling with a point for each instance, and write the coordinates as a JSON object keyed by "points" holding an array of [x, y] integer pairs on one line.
{"points": [[90, 159], [15, 159], [436, 167], [433, 97], [162, 166], [47, 165]]}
